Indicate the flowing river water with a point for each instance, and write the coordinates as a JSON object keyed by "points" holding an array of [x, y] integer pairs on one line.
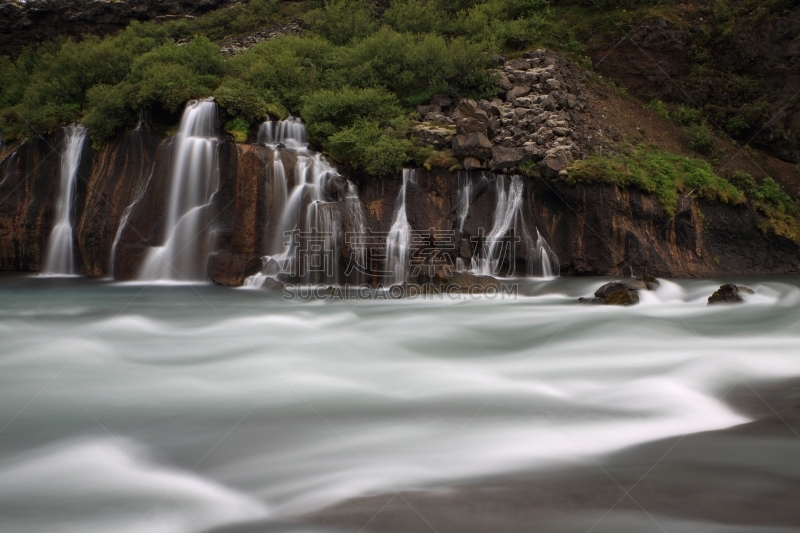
{"points": [[167, 409]]}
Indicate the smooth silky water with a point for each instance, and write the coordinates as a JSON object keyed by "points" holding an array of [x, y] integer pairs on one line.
{"points": [[183, 409]]}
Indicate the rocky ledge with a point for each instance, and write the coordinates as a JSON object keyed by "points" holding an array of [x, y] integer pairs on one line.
{"points": [[33, 21], [537, 119]]}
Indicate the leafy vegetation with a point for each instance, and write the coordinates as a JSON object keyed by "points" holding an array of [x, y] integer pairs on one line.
{"points": [[660, 173]]}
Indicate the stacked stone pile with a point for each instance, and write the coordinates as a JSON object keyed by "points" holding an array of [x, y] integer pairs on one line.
{"points": [[537, 117]]}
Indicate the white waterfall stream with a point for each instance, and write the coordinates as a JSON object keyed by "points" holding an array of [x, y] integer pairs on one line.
{"points": [[309, 215], [194, 179], [59, 256], [507, 222], [398, 240]]}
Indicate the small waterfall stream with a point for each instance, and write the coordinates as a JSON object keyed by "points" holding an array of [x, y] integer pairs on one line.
{"points": [[194, 179], [507, 223], [59, 256], [399, 238]]}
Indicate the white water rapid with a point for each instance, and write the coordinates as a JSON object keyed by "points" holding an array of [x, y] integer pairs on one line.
{"points": [[194, 178], [59, 256], [173, 413]]}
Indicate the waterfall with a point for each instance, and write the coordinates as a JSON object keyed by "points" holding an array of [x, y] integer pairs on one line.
{"points": [[399, 237], [123, 221], [290, 133], [311, 216], [10, 169], [194, 178], [59, 256], [507, 223]]}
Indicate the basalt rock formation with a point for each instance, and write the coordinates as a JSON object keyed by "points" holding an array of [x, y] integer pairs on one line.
{"points": [[538, 119], [593, 229]]}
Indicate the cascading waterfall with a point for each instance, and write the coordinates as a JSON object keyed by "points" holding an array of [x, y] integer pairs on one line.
{"points": [[399, 237], [507, 222], [290, 133], [59, 256], [194, 179], [309, 212]]}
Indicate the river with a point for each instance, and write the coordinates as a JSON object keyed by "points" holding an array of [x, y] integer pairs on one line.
{"points": [[159, 408]]}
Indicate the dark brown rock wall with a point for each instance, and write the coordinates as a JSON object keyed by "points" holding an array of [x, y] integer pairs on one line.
{"points": [[118, 174]]}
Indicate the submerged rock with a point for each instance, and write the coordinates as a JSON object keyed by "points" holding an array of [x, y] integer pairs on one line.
{"points": [[729, 294], [622, 297]]}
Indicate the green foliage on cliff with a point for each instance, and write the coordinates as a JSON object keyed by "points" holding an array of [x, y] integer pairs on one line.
{"points": [[663, 174]]}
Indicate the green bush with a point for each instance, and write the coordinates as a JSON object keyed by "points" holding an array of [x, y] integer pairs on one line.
{"points": [[327, 112], [341, 21], [239, 98], [239, 129], [659, 108], [368, 146], [687, 116], [663, 174], [415, 16], [701, 139]]}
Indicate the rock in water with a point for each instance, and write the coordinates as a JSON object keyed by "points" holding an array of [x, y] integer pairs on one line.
{"points": [[651, 282], [620, 285], [622, 297], [728, 294]]}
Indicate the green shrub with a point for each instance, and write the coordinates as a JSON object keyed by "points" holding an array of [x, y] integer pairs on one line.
{"points": [[327, 112], [736, 126], [687, 116], [659, 108], [108, 112], [239, 129], [415, 16], [701, 139], [367, 146], [341, 21], [239, 98]]}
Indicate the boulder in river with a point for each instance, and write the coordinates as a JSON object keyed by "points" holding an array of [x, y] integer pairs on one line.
{"points": [[651, 282], [622, 297], [729, 294], [620, 285]]}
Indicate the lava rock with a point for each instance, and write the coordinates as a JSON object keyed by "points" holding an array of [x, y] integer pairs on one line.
{"points": [[651, 282], [507, 157], [728, 294], [474, 145], [622, 297], [620, 285], [471, 163], [554, 160]]}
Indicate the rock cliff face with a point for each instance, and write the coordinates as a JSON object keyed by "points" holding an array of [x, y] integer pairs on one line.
{"points": [[23, 23], [592, 229], [728, 59]]}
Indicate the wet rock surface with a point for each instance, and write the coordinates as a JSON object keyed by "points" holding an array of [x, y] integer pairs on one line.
{"points": [[729, 294], [622, 292]]}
